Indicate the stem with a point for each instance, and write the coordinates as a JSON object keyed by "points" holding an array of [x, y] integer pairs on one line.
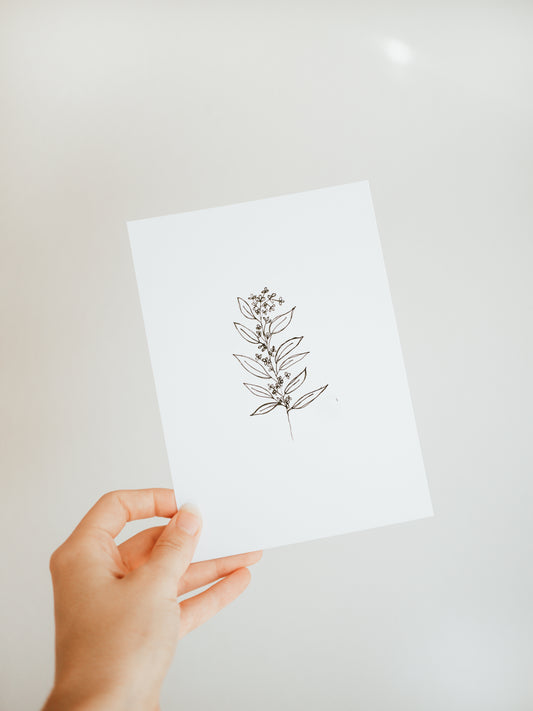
{"points": [[272, 363], [266, 341], [290, 426]]}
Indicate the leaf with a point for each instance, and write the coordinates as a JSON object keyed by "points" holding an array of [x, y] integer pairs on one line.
{"points": [[263, 409], [246, 309], [287, 347], [246, 333], [266, 327], [295, 383], [281, 322], [291, 360], [308, 398], [253, 366], [258, 390]]}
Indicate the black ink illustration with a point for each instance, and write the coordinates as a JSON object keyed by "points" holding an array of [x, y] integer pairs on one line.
{"points": [[273, 363]]}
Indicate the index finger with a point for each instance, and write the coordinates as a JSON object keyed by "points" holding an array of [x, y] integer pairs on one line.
{"points": [[114, 509]]}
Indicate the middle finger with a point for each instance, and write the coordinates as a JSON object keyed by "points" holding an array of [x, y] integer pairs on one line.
{"points": [[207, 571]]}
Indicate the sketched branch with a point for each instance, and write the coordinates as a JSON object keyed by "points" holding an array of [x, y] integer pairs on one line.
{"points": [[272, 363]]}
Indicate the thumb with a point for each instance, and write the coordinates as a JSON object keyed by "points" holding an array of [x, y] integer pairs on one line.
{"points": [[174, 549]]}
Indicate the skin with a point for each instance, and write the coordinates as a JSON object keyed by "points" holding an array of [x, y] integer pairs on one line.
{"points": [[117, 617]]}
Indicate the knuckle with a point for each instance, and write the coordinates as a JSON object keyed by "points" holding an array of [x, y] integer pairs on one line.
{"points": [[173, 545], [117, 498], [59, 559], [110, 496], [54, 562], [66, 556]]}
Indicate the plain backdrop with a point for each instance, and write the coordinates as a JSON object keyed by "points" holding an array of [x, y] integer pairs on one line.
{"points": [[121, 110]]}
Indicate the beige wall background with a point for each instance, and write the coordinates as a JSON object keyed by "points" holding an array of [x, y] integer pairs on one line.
{"points": [[122, 110]]}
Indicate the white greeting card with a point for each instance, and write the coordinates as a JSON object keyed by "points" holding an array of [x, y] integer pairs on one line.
{"points": [[278, 369]]}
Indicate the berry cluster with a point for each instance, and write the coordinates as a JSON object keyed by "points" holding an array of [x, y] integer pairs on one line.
{"points": [[277, 390], [265, 302]]}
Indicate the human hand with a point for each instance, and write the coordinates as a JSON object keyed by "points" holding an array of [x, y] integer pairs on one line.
{"points": [[116, 611]]}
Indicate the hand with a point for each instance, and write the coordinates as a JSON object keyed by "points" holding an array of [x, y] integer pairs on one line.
{"points": [[117, 616]]}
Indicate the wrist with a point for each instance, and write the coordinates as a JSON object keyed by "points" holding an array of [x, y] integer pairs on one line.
{"points": [[68, 697], [63, 697]]}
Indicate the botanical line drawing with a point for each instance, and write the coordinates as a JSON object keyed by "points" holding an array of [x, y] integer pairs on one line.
{"points": [[272, 363]]}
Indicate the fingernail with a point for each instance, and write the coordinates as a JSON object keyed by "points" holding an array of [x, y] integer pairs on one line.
{"points": [[189, 519]]}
